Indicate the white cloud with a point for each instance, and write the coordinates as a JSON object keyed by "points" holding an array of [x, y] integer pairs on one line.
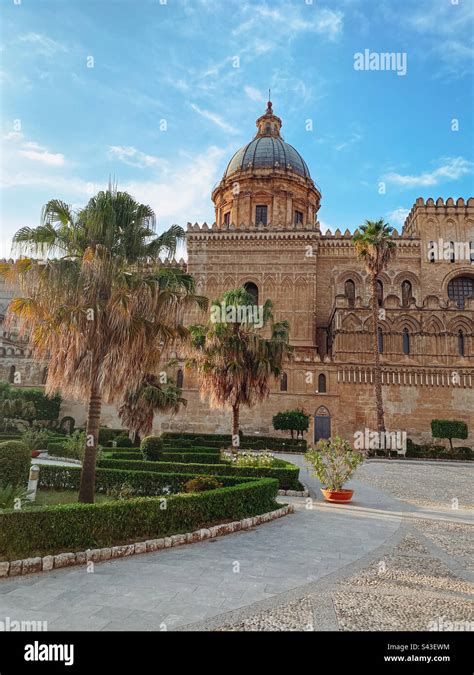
{"points": [[254, 94], [355, 138], [13, 136], [133, 157], [290, 21], [453, 168], [41, 44], [398, 216], [215, 119], [185, 193], [38, 153]]}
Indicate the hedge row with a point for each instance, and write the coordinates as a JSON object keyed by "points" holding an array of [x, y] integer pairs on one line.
{"points": [[75, 527], [246, 442], [286, 473], [182, 458], [144, 483]]}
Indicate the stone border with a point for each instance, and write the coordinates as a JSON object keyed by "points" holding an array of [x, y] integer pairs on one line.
{"points": [[293, 493], [47, 563]]}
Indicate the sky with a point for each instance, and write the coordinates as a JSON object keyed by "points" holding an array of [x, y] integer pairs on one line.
{"points": [[159, 94]]}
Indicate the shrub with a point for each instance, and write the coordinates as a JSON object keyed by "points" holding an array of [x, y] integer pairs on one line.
{"points": [[151, 447], [124, 455], [333, 462], [124, 491], [192, 457], [12, 496], [75, 527], [202, 483], [35, 439], [449, 429], [15, 460], [123, 441], [107, 435]]}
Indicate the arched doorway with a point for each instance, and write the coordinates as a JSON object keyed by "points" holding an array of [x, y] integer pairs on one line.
{"points": [[322, 424]]}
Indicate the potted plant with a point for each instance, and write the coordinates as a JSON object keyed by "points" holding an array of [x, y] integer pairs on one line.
{"points": [[334, 462]]}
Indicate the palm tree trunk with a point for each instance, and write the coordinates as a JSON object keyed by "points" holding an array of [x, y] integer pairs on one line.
{"points": [[377, 366], [87, 485], [235, 425]]}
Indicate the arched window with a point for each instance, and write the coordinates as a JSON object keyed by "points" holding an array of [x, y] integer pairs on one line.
{"points": [[284, 382], [380, 341], [11, 374], [461, 343], [406, 293], [379, 292], [460, 289], [322, 384], [252, 290], [406, 341], [261, 215], [452, 257], [179, 379], [349, 292]]}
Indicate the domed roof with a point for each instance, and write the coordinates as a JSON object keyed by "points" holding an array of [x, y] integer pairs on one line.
{"points": [[268, 150]]}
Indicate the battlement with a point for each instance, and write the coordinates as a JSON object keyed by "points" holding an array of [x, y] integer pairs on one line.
{"points": [[437, 208], [252, 227]]}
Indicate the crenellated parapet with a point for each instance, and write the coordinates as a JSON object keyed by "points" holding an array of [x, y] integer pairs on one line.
{"points": [[435, 210]]}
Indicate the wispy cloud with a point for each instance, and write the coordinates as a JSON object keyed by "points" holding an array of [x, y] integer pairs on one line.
{"points": [[133, 157], [254, 94], [215, 119], [38, 153], [452, 168], [355, 138], [41, 44], [398, 216], [291, 20]]}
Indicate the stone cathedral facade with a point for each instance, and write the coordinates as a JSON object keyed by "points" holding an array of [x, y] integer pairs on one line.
{"points": [[267, 237]]}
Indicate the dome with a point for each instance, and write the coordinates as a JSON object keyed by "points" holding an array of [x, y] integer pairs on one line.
{"points": [[268, 150]]}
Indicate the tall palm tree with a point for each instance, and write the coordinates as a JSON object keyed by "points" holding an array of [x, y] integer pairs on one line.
{"points": [[99, 303], [140, 405], [234, 362], [375, 248]]}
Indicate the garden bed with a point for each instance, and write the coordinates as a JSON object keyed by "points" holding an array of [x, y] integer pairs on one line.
{"points": [[286, 473], [44, 530]]}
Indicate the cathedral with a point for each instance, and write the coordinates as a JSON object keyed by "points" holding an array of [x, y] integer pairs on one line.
{"points": [[267, 237]]}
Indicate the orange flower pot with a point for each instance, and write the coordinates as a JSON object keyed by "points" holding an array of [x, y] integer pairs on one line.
{"points": [[337, 496]]}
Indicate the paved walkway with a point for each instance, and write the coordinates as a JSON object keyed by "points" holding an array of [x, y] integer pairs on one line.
{"points": [[219, 580]]}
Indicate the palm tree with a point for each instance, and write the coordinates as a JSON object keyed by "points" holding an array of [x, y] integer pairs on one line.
{"points": [[140, 405], [375, 248], [99, 304], [235, 363]]}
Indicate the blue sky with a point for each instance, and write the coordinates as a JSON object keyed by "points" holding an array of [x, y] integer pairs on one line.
{"points": [[175, 88]]}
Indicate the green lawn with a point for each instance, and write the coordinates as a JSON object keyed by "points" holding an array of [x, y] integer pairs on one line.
{"points": [[48, 497]]}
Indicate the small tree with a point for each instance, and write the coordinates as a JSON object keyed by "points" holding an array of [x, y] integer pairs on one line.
{"points": [[291, 420], [449, 429], [333, 462]]}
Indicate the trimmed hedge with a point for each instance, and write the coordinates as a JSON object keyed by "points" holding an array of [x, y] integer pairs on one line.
{"points": [[286, 473], [182, 458], [135, 456], [107, 435], [246, 442], [433, 451], [75, 527], [144, 483], [15, 461]]}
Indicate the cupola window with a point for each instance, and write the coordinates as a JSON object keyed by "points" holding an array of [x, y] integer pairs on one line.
{"points": [[298, 217], [261, 215]]}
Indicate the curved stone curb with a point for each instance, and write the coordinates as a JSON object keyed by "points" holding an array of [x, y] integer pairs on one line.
{"points": [[47, 563], [293, 493]]}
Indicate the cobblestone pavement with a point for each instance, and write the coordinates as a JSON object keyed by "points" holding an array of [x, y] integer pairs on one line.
{"points": [[377, 563], [436, 484], [421, 581]]}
